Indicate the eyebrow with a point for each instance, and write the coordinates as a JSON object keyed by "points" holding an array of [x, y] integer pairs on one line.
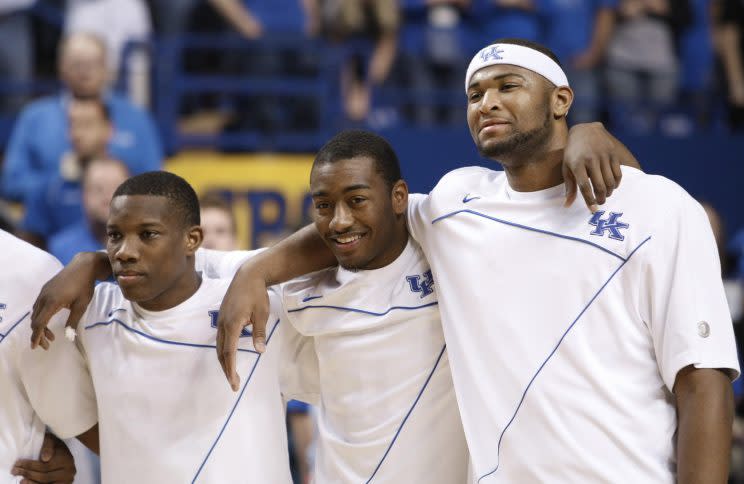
{"points": [[359, 186], [496, 78]]}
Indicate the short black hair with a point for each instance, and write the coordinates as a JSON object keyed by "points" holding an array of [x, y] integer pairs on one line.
{"points": [[354, 143], [530, 44], [164, 184]]}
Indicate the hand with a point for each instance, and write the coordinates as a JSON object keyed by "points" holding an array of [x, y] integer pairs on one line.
{"points": [[585, 60], [592, 159], [55, 464], [245, 303], [251, 28], [71, 288]]}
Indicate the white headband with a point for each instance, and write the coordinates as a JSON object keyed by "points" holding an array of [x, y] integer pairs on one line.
{"points": [[517, 55]]}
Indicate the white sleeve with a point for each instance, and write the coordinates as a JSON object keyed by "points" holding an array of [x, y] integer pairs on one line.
{"points": [[418, 216], [682, 296], [58, 384], [218, 264]]}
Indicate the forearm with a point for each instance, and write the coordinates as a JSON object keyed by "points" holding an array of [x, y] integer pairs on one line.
{"points": [[383, 57], [95, 264], [90, 439], [603, 26], [727, 40], [705, 416], [300, 253], [235, 13]]}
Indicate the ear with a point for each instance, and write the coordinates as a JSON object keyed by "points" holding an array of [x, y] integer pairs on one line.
{"points": [[561, 101], [399, 196], [194, 239]]}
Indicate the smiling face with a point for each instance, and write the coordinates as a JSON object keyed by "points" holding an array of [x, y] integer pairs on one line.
{"points": [[509, 111], [151, 250], [358, 214]]}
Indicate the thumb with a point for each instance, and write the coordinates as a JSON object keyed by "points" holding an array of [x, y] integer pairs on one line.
{"points": [[47, 448], [259, 330]]}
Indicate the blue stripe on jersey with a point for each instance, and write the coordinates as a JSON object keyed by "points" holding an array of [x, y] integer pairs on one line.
{"points": [[159, 340], [232, 411], [526, 227], [524, 394], [363, 311], [10, 330], [418, 397]]}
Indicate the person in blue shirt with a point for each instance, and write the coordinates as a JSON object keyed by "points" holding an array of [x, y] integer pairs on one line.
{"points": [[578, 31], [100, 180], [56, 201], [508, 18], [40, 136]]}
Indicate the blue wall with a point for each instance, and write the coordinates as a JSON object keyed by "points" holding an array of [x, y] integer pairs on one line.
{"points": [[710, 167]]}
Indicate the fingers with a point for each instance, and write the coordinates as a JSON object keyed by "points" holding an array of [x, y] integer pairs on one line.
{"points": [[600, 190], [38, 472], [616, 170], [608, 176], [47, 448], [42, 313], [76, 312], [585, 187], [259, 330], [228, 336], [570, 183]]}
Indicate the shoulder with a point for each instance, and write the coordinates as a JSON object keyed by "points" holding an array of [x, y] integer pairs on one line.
{"points": [[121, 106], [467, 179], [655, 194], [26, 264], [40, 109], [301, 286]]}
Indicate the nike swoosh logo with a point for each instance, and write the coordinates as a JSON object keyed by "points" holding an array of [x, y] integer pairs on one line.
{"points": [[310, 298], [465, 199], [111, 313]]}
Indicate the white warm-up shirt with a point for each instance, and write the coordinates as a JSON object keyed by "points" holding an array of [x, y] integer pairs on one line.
{"points": [[166, 411], [37, 387], [566, 330], [387, 411]]}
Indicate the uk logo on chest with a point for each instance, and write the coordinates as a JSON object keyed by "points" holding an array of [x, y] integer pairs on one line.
{"points": [[610, 225], [421, 283], [213, 315]]}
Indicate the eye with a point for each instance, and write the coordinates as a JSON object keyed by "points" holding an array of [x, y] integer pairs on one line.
{"points": [[357, 200], [509, 86], [149, 234], [322, 206], [474, 96], [113, 236]]}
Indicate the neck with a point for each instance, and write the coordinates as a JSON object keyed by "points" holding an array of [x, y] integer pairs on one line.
{"points": [[537, 169], [397, 246], [183, 289]]}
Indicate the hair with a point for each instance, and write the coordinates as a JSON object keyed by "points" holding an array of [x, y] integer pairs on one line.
{"points": [[530, 44], [102, 106], [214, 200], [163, 184], [356, 143]]}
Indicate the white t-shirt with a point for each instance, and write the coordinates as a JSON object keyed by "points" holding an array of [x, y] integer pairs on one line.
{"points": [[566, 330], [37, 387], [373, 339], [166, 412]]}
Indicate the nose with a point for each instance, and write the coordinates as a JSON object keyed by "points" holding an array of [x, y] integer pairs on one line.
{"points": [[491, 101], [127, 251], [342, 218]]}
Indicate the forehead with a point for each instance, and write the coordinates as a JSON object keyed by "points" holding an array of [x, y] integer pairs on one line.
{"points": [[361, 170], [141, 209], [500, 71]]}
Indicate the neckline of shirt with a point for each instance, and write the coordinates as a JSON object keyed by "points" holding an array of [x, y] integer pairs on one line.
{"points": [[193, 299], [551, 193]]}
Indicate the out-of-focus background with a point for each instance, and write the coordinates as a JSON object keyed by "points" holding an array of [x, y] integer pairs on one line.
{"points": [[236, 95]]}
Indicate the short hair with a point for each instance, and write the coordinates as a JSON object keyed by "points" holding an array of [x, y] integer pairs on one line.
{"points": [[214, 200], [530, 44], [164, 184], [354, 143], [102, 105]]}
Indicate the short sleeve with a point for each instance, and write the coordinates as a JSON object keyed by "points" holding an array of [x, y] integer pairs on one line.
{"points": [[58, 384], [418, 217], [218, 264], [682, 295]]}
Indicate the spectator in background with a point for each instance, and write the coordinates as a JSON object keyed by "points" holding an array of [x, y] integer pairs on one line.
{"points": [[117, 23], [40, 137], [508, 18], [218, 223], [16, 47], [729, 40], [435, 42], [57, 203], [642, 64], [578, 31], [171, 17], [348, 20], [99, 182]]}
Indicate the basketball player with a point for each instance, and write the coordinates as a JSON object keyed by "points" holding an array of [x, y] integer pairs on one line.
{"points": [[584, 347], [49, 388], [165, 414]]}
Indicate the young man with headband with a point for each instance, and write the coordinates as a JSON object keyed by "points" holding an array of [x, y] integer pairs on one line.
{"points": [[584, 347]]}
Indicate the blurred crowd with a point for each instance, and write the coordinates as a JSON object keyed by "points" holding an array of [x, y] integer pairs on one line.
{"points": [[643, 66]]}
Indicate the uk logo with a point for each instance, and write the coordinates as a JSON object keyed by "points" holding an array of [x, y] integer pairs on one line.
{"points": [[425, 286], [2, 306], [612, 225], [491, 53], [213, 315]]}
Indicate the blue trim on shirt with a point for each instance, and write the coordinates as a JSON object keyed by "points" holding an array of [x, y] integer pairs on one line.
{"points": [[159, 340], [524, 394], [418, 397], [3, 336], [362, 311], [232, 411], [526, 227]]}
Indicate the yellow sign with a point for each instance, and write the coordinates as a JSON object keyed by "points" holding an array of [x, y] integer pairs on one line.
{"points": [[268, 192]]}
